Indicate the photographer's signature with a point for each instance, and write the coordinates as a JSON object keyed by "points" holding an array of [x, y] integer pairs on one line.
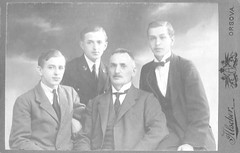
{"points": [[230, 129]]}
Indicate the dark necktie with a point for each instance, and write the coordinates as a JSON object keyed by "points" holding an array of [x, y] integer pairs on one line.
{"points": [[55, 104], [94, 72], [117, 101], [156, 64]]}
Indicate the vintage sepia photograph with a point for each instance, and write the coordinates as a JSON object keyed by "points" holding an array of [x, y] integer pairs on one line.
{"points": [[153, 52]]}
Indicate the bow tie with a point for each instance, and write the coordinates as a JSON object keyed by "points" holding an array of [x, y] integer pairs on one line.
{"points": [[120, 93], [156, 64]]}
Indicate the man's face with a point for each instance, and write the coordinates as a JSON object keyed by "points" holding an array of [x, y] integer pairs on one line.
{"points": [[94, 44], [160, 41], [52, 71], [121, 69]]}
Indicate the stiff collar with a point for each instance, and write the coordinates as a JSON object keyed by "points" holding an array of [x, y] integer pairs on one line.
{"points": [[164, 57], [91, 63], [124, 88], [46, 88]]}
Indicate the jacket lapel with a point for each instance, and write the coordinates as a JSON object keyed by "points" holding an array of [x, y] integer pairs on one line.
{"points": [[63, 103], [103, 109], [152, 81], [84, 70], [45, 104], [128, 102], [102, 79], [174, 79]]}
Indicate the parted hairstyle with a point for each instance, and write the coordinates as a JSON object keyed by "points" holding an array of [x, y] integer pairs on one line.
{"points": [[123, 50], [92, 28], [159, 23], [45, 56]]}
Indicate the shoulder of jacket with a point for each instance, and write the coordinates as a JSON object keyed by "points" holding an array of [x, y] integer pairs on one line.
{"points": [[183, 62], [74, 61], [29, 93], [147, 65]]}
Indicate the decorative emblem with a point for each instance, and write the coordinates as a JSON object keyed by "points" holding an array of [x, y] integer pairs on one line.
{"points": [[104, 70], [85, 68], [229, 70]]}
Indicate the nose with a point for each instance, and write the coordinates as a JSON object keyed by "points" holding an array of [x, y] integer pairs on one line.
{"points": [[158, 41], [56, 71], [117, 69], [95, 46]]}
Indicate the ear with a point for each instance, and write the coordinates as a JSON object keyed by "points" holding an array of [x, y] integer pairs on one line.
{"points": [[81, 44], [173, 40], [134, 71], [39, 70], [106, 44]]}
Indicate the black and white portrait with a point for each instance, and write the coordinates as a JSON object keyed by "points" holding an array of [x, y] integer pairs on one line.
{"points": [[33, 27]]}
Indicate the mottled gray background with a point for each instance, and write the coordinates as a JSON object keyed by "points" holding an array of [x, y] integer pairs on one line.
{"points": [[36, 27]]}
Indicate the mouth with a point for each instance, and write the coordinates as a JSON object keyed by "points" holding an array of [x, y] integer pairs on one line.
{"points": [[56, 79], [95, 53], [158, 49], [117, 77]]}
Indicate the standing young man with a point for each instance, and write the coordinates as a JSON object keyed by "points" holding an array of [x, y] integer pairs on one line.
{"points": [[87, 74], [178, 87], [42, 117]]}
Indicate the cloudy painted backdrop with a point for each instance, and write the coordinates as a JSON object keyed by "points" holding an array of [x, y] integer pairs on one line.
{"points": [[36, 27]]}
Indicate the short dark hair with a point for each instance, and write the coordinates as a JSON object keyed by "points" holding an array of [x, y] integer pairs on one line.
{"points": [[123, 50], [159, 23], [45, 56], [92, 28]]}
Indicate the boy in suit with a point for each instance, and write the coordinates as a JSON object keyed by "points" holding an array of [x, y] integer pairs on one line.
{"points": [[87, 74], [178, 87], [42, 117], [124, 118]]}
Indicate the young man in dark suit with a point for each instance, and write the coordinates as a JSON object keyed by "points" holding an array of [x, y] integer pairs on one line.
{"points": [[124, 118], [177, 85], [42, 117], [87, 74]]}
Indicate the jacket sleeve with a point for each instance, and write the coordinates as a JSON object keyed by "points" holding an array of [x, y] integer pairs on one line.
{"points": [[142, 82], [155, 125], [198, 131], [78, 107], [20, 136]]}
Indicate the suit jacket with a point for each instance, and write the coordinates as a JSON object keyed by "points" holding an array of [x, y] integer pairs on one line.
{"points": [[140, 125], [78, 76], [35, 125], [188, 100]]}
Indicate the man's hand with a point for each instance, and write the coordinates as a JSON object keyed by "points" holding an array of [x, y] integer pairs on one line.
{"points": [[76, 126], [185, 147], [79, 110]]}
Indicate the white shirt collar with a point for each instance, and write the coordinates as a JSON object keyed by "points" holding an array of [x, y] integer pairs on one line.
{"points": [[46, 88], [48, 92], [90, 63], [164, 57], [124, 87]]}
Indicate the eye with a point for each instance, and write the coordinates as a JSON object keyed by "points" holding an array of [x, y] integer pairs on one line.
{"points": [[162, 37], [99, 42], [123, 66], [152, 38], [61, 67], [50, 67], [89, 42]]}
